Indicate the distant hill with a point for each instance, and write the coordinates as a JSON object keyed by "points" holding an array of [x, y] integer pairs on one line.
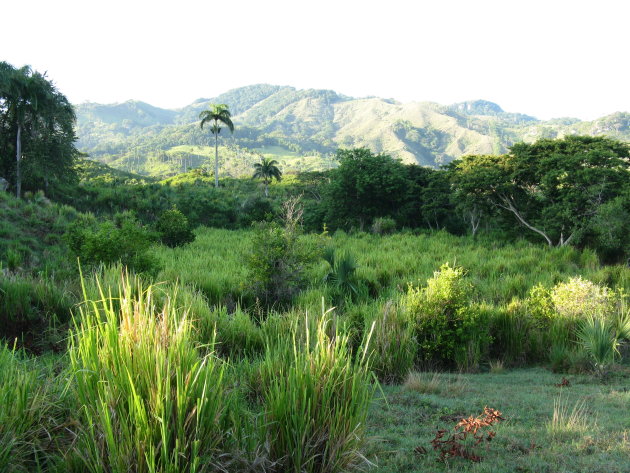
{"points": [[304, 128]]}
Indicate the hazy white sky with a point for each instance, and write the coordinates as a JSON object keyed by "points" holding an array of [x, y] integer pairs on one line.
{"points": [[547, 58]]}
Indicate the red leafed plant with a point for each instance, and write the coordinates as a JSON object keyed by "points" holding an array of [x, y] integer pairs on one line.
{"points": [[468, 434]]}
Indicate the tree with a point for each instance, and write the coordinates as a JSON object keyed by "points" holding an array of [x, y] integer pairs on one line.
{"points": [[553, 188], [363, 187], [218, 113], [267, 170], [37, 124]]}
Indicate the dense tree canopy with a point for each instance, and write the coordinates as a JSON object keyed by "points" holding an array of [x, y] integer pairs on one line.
{"points": [[554, 188], [363, 187], [36, 130]]}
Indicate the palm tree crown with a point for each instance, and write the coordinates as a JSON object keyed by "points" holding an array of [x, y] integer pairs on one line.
{"points": [[267, 169], [218, 113]]}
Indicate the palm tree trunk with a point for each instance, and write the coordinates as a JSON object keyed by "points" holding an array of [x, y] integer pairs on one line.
{"points": [[266, 188], [216, 160], [18, 158]]}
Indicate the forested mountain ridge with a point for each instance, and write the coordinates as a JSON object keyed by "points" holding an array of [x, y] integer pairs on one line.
{"points": [[302, 127]]}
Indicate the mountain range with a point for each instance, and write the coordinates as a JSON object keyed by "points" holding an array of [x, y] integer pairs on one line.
{"points": [[302, 129]]}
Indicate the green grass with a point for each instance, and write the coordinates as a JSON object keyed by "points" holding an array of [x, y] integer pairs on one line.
{"points": [[291, 389], [590, 430], [214, 263]]}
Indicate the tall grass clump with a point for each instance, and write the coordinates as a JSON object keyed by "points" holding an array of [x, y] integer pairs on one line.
{"points": [[316, 399], [149, 402], [392, 346], [28, 414], [568, 421], [31, 305]]}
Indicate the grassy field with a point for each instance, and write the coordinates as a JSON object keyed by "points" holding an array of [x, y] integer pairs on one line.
{"points": [[186, 368], [591, 430], [215, 263]]}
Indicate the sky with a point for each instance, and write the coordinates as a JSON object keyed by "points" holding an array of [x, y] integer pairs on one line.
{"points": [[549, 59]]}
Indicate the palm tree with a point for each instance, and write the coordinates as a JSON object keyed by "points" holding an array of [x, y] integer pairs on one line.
{"points": [[217, 113], [266, 170]]}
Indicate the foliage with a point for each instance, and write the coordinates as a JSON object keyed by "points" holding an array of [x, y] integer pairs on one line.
{"points": [[121, 239], [255, 209], [364, 186], [267, 170], [279, 258], [459, 444], [36, 131], [341, 273], [579, 298], [317, 407], [448, 330], [597, 337], [148, 401], [174, 229], [383, 226], [392, 345], [552, 187]]}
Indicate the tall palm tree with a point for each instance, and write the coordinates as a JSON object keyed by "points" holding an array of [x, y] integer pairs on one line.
{"points": [[218, 113], [266, 170]]}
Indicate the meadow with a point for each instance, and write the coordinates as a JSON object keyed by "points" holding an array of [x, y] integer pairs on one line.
{"points": [[383, 342]]}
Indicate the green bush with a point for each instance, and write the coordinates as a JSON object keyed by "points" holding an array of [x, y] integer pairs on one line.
{"points": [[279, 258], [173, 228], [341, 275], [579, 298], [449, 330], [597, 338], [255, 209], [383, 226], [122, 239]]}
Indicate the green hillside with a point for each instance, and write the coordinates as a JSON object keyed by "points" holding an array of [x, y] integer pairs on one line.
{"points": [[303, 128]]}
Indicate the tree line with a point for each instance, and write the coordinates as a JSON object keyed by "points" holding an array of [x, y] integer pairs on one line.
{"points": [[574, 190]]}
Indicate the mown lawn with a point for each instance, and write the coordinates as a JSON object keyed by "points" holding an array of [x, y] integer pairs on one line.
{"points": [[597, 441]]}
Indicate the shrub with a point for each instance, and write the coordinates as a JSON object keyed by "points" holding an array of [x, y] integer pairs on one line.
{"points": [[149, 402], [316, 399], [597, 337], [122, 239], [174, 229], [255, 209], [448, 330], [278, 259], [578, 298], [383, 226], [341, 275]]}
